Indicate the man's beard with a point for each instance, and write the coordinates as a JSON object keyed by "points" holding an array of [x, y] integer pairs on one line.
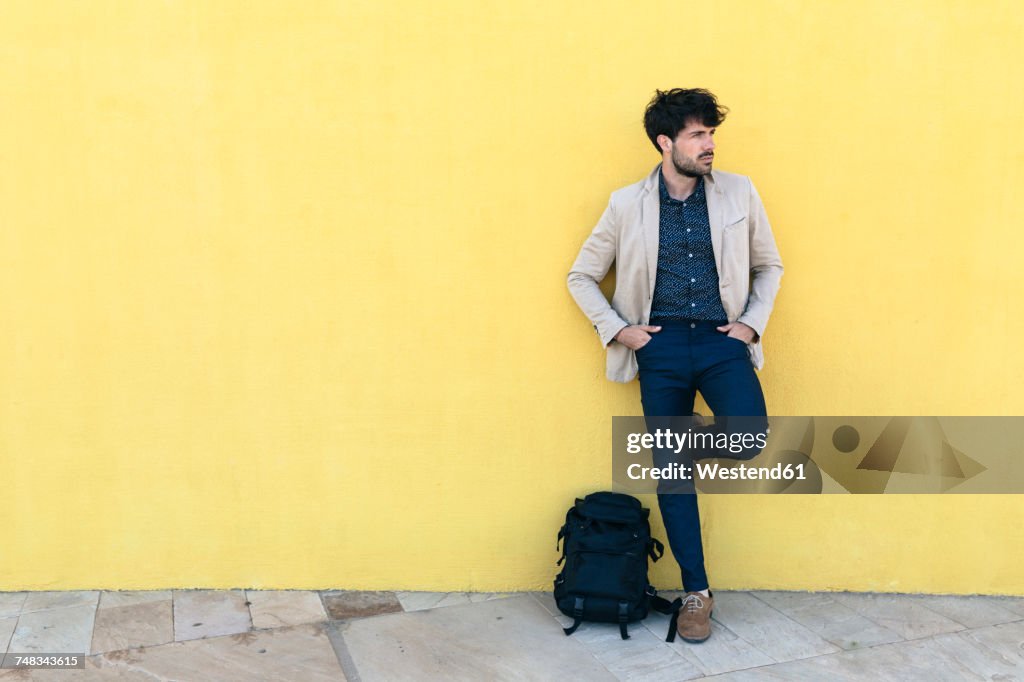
{"points": [[688, 167]]}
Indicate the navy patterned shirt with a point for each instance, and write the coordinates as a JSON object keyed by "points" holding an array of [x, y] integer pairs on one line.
{"points": [[686, 286]]}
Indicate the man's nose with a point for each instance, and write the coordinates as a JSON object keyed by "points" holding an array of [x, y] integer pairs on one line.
{"points": [[709, 145]]}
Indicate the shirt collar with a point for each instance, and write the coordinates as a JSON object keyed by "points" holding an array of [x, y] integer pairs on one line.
{"points": [[698, 191]]}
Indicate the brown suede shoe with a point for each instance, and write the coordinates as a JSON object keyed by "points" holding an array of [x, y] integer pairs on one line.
{"points": [[695, 618]]}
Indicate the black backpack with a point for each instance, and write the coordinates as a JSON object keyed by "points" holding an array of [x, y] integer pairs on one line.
{"points": [[605, 543]]}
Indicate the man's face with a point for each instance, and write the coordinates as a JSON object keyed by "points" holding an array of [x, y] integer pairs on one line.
{"points": [[693, 150]]}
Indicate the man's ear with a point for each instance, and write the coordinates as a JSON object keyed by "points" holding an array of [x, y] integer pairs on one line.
{"points": [[665, 142]]}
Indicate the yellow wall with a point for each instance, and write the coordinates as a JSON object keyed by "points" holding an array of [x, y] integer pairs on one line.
{"points": [[282, 297]]}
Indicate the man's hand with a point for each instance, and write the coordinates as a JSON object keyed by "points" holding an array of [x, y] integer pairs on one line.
{"points": [[636, 336], [738, 330]]}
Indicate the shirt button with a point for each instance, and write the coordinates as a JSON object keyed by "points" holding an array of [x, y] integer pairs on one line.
{"points": [[693, 325], [693, 305], [693, 279], [689, 255], [687, 229]]}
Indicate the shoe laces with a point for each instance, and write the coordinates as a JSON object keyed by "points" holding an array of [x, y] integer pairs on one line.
{"points": [[693, 603]]}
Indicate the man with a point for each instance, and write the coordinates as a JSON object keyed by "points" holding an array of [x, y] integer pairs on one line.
{"points": [[697, 272]]}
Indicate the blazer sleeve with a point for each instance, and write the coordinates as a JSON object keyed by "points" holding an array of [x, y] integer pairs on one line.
{"points": [[765, 267], [591, 266]]}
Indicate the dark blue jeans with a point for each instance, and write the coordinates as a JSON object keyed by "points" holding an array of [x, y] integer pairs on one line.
{"points": [[683, 358]]}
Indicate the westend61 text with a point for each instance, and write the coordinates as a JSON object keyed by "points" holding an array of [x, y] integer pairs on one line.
{"points": [[716, 472]]}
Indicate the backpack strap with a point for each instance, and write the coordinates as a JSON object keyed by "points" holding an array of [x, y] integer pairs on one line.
{"points": [[577, 616], [560, 542], [655, 551], [623, 619], [662, 605]]}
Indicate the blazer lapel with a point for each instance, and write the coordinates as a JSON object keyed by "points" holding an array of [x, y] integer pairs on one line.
{"points": [[715, 217], [650, 214]]}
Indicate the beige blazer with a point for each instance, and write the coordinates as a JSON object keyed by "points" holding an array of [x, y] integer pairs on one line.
{"points": [[749, 267]]}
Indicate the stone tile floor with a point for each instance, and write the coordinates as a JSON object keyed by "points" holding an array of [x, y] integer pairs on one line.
{"points": [[233, 635]]}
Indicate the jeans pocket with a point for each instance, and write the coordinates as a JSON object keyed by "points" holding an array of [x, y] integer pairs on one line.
{"points": [[738, 343], [643, 351], [649, 341]]}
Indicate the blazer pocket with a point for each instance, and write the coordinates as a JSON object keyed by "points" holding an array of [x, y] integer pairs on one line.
{"points": [[735, 224], [735, 253]]}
